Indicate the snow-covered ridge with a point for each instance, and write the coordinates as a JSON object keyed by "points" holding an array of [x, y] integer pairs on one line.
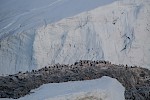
{"points": [[118, 32]]}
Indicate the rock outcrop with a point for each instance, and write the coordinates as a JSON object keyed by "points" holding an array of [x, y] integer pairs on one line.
{"points": [[135, 79]]}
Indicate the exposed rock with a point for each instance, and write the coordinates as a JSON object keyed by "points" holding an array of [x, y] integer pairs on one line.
{"points": [[135, 79]]}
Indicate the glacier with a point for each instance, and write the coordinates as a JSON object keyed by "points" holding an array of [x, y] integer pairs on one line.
{"points": [[65, 31], [105, 88], [19, 21]]}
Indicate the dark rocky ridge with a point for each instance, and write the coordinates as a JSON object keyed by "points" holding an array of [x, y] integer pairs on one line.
{"points": [[135, 79]]}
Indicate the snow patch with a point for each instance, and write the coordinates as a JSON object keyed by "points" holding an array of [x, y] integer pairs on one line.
{"points": [[105, 88]]}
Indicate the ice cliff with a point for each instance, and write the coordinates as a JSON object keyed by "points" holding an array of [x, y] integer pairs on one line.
{"points": [[118, 32]]}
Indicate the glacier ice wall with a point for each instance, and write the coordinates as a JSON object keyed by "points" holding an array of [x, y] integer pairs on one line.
{"points": [[16, 53], [118, 32]]}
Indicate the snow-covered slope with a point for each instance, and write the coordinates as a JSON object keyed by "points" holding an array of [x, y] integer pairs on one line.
{"points": [[21, 15], [105, 88], [35, 37]]}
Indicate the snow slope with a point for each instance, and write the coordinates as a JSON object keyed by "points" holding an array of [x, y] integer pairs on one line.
{"points": [[105, 88], [21, 15], [66, 31]]}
